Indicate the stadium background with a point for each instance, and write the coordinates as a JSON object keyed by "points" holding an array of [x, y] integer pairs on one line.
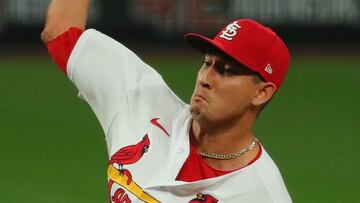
{"points": [[52, 147]]}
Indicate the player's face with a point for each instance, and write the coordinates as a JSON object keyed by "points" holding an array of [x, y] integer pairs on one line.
{"points": [[224, 90]]}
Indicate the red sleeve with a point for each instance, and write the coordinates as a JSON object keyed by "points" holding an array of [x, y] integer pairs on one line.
{"points": [[60, 48]]}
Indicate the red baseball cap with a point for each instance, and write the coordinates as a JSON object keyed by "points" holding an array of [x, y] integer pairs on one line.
{"points": [[251, 44]]}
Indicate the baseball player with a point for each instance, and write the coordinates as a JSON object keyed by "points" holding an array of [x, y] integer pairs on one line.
{"points": [[160, 148]]}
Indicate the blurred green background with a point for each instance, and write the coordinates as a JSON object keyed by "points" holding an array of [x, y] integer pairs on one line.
{"points": [[52, 148]]}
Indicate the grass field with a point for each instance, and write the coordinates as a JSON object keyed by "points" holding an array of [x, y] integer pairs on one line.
{"points": [[52, 148]]}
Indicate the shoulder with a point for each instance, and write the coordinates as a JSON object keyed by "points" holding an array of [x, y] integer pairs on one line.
{"points": [[266, 166], [271, 178]]}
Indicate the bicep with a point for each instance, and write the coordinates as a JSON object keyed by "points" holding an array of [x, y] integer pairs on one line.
{"points": [[103, 71]]}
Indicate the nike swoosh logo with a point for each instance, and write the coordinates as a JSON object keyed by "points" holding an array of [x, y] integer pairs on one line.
{"points": [[155, 122]]}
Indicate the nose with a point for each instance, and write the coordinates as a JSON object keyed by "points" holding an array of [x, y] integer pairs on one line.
{"points": [[206, 77]]}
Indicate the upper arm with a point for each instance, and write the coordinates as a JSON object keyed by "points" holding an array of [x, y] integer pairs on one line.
{"points": [[104, 71], [63, 14]]}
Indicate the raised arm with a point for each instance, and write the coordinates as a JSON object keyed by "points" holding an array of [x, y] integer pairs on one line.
{"points": [[63, 14]]}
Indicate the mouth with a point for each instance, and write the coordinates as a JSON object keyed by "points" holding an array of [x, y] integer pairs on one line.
{"points": [[199, 97]]}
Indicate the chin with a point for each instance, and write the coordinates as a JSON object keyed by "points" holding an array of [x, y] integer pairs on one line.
{"points": [[195, 111]]}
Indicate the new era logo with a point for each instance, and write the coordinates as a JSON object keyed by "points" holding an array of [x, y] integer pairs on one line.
{"points": [[268, 69]]}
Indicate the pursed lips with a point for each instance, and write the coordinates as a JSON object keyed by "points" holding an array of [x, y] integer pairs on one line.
{"points": [[200, 96]]}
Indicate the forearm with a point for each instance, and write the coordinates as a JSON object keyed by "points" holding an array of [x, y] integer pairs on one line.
{"points": [[63, 14]]}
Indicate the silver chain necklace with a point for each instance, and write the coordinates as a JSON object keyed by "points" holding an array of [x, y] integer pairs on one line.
{"points": [[230, 156]]}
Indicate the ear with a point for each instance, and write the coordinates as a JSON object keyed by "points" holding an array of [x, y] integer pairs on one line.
{"points": [[264, 92]]}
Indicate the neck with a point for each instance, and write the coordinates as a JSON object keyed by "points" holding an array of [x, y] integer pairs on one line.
{"points": [[228, 139], [222, 138]]}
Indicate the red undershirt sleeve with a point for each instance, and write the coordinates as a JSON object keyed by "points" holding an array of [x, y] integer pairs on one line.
{"points": [[61, 47]]}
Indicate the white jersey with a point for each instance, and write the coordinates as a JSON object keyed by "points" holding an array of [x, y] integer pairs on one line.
{"points": [[146, 129]]}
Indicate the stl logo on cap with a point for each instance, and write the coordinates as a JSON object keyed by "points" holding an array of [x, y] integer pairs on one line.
{"points": [[231, 31]]}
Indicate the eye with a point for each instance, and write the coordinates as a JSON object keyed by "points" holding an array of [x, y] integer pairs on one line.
{"points": [[232, 70], [227, 71]]}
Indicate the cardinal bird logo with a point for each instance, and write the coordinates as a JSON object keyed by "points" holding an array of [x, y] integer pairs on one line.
{"points": [[129, 155], [205, 198]]}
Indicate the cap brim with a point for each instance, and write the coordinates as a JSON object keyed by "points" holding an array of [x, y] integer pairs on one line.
{"points": [[207, 45], [202, 43]]}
